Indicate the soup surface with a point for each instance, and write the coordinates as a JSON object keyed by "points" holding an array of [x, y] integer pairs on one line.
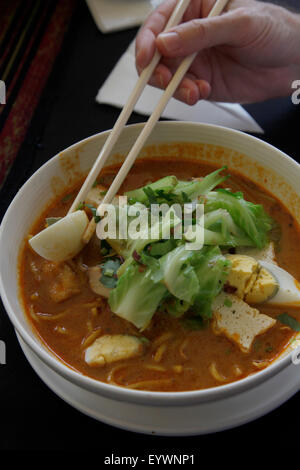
{"points": [[176, 355]]}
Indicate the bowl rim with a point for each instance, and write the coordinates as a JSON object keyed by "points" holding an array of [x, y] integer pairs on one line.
{"points": [[150, 398]]}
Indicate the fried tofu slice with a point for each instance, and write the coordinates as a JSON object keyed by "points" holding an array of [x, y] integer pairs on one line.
{"points": [[266, 254], [239, 322], [65, 284], [242, 274], [112, 348], [265, 287]]}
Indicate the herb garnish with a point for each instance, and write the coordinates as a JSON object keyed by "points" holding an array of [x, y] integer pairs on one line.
{"points": [[94, 212], [227, 302], [52, 220], [286, 319], [67, 198], [80, 206], [195, 323]]}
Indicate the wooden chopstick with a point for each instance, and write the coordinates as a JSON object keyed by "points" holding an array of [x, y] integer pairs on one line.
{"points": [[126, 112], [132, 155]]}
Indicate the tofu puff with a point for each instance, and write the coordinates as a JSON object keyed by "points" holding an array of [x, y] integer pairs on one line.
{"points": [[238, 321], [69, 302]]}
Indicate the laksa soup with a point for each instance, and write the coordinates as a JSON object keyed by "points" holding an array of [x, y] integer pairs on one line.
{"points": [[149, 312]]}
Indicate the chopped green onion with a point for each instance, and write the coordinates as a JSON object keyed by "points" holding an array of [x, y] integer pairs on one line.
{"points": [[94, 212], [52, 220], [67, 198], [80, 206], [144, 340], [286, 319], [227, 302], [196, 323]]}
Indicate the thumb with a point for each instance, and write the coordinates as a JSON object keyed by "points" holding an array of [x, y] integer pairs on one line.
{"points": [[198, 34]]}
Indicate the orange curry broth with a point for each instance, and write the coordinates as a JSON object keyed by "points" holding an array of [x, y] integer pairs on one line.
{"points": [[186, 354]]}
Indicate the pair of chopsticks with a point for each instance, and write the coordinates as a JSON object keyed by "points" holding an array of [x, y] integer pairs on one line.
{"points": [[126, 112]]}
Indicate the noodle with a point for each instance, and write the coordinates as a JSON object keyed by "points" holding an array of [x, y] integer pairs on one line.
{"points": [[110, 377], [161, 339], [32, 313], [50, 317], [182, 347], [260, 364], [214, 372], [150, 383], [154, 367], [237, 371], [95, 303], [90, 338], [159, 352]]}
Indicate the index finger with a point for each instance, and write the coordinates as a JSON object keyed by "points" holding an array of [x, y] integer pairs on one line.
{"points": [[154, 25]]}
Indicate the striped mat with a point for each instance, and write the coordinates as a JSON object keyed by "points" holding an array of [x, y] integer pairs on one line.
{"points": [[31, 34]]}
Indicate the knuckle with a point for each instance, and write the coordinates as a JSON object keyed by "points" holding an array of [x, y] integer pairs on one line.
{"points": [[245, 17], [198, 29]]}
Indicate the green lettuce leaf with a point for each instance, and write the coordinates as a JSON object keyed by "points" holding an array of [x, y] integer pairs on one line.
{"points": [[142, 195], [175, 307], [169, 190], [127, 247], [178, 275], [195, 188], [249, 217], [136, 296], [212, 269]]}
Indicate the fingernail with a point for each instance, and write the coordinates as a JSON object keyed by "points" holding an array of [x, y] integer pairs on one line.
{"points": [[160, 80], [140, 61], [171, 41], [204, 89], [185, 94]]}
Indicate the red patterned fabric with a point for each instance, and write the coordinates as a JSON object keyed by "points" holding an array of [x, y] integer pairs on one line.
{"points": [[29, 52]]}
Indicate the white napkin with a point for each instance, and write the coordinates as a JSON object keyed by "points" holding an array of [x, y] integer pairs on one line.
{"points": [[114, 15], [123, 77]]}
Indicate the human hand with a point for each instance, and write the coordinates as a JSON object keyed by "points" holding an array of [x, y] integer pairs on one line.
{"points": [[249, 53]]}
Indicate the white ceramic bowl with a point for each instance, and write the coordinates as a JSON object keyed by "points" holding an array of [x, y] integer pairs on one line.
{"points": [[180, 413]]}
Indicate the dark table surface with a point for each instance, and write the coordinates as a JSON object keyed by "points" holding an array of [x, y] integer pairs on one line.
{"points": [[32, 416]]}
